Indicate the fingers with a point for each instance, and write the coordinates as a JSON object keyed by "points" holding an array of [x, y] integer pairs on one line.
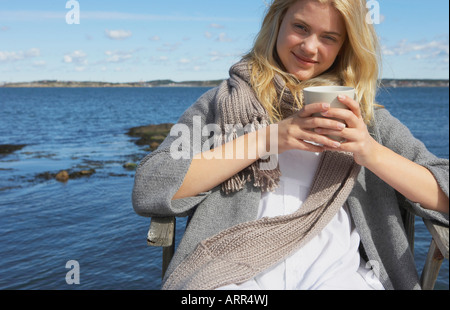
{"points": [[308, 126], [356, 136], [303, 126], [310, 147], [344, 137], [355, 127], [351, 104], [351, 117], [314, 108], [295, 133], [310, 117], [306, 138]]}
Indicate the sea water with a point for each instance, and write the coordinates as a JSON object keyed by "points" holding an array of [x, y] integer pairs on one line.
{"points": [[44, 224]]}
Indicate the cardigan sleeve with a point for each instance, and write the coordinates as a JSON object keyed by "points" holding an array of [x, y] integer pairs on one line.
{"points": [[160, 174], [397, 137]]}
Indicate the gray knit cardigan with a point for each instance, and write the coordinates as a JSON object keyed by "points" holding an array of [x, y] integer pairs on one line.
{"points": [[376, 208]]}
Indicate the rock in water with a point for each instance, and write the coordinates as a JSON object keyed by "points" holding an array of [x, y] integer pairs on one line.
{"points": [[82, 173], [151, 135], [130, 166], [62, 176], [10, 148]]}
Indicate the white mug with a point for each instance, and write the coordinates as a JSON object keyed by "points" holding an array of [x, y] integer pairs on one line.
{"points": [[328, 94]]}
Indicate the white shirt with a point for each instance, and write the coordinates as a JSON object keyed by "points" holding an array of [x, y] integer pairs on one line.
{"points": [[330, 260]]}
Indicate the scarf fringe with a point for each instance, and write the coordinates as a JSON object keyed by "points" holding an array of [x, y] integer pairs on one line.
{"points": [[267, 180]]}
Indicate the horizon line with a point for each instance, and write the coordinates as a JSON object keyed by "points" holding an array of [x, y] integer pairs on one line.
{"points": [[184, 81]]}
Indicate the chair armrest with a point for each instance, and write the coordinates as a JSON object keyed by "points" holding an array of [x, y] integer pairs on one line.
{"points": [[440, 236], [161, 232], [436, 253]]}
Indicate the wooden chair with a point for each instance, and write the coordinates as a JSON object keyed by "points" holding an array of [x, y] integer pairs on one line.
{"points": [[436, 253], [162, 234]]}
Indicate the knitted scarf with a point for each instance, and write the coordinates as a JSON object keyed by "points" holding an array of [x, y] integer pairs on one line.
{"points": [[239, 253], [238, 108]]}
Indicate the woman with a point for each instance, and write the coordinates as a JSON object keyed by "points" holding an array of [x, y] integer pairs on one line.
{"points": [[314, 220]]}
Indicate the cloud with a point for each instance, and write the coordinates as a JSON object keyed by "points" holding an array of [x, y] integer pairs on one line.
{"points": [[33, 52], [76, 57], [31, 15], [6, 56], [23, 15], [435, 51], [39, 63], [118, 56], [169, 47], [118, 34], [223, 37], [159, 59], [99, 15], [155, 38], [184, 61], [218, 56]]}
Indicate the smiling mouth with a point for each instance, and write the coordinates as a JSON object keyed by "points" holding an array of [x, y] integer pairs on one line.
{"points": [[304, 59]]}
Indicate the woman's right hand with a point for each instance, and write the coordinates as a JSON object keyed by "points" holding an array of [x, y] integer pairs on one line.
{"points": [[294, 131], [223, 161]]}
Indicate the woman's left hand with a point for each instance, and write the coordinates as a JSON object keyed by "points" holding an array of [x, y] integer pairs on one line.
{"points": [[356, 137], [402, 174]]}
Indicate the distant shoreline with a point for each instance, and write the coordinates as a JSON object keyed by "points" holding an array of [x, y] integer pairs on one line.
{"points": [[212, 83], [75, 84]]}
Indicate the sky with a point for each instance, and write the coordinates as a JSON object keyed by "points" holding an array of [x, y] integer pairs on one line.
{"points": [[182, 40]]}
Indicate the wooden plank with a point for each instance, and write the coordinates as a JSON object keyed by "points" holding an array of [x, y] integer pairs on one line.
{"points": [[167, 257], [440, 236], [162, 234], [432, 265], [161, 231]]}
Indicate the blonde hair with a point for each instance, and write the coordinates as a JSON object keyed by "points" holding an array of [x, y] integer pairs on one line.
{"points": [[356, 65]]}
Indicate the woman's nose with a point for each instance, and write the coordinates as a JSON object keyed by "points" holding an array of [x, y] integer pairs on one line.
{"points": [[310, 45]]}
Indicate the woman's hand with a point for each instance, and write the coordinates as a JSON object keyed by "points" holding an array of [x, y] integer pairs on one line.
{"points": [[305, 126], [399, 172], [355, 137]]}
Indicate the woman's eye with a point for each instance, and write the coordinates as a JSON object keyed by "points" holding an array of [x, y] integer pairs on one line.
{"points": [[331, 39], [301, 27]]}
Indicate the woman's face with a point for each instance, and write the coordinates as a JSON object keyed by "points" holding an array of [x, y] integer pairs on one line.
{"points": [[310, 37]]}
